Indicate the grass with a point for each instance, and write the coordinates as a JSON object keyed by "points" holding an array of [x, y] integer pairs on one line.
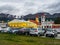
{"points": [[13, 39]]}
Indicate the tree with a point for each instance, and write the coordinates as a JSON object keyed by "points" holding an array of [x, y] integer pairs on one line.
{"points": [[57, 20]]}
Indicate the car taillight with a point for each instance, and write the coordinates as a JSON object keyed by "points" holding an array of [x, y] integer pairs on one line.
{"points": [[35, 30]]}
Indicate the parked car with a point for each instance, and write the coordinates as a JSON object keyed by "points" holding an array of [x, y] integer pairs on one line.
{"points": [[24, 31], [37, 31], [58, 30], [13, 31], [4, 29], [51, 33]]}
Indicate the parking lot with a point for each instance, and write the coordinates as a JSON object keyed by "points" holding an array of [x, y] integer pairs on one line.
{"points": [[58, 37], [31, 31]]}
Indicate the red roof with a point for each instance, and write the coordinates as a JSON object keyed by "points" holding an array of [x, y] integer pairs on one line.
{"points": [[56, 26], [36, 16], [35, 22]]}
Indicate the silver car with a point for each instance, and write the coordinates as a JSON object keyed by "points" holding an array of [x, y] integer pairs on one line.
{"points": [[37, 31], [13, 31], [51, 33], [24, 31]]}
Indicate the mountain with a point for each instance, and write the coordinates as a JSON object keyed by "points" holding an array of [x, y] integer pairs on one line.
{"points": [[5, 17], [48, 15], [56, 15]]}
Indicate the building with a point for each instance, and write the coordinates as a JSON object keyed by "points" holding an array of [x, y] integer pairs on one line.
{"points": [[56, 26], [36, 21], [16, 23], [3, 24], [45, 23]]}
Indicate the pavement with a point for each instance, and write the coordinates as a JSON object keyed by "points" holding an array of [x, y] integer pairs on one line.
{"points": [[58, 37]]}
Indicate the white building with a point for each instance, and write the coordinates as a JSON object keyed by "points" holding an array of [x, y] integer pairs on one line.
{"points": [[46, 24]]}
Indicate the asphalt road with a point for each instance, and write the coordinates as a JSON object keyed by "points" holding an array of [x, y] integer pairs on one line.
{"points": [[58, 37]]}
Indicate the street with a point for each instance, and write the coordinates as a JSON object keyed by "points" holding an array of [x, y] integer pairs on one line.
{"points": [[58, 37]]}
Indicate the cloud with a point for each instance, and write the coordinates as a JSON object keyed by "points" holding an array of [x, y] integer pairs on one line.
{"points": [[24, 7]]}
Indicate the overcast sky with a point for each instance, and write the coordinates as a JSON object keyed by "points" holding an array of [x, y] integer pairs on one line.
{"points": [[24, 7]]}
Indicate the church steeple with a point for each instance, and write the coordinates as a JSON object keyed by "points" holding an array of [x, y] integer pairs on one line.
{"points": [[43, 20], [37, 19]]}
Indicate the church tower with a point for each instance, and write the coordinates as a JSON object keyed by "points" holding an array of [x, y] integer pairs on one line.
{"points": [[37, 19], [43, 21]]}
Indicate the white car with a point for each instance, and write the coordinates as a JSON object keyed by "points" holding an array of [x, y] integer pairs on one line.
{"points": [[37, 31], [14, 31], [5, 29], [51, 33]]}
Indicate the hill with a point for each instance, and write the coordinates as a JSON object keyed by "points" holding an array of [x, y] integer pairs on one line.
{"points": [[48, 15], [5, 17]]}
